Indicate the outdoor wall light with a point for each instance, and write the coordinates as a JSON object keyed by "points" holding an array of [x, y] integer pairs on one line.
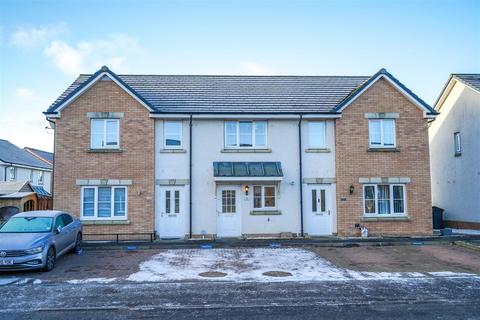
{"points": [[246, 188], [351, 189]]}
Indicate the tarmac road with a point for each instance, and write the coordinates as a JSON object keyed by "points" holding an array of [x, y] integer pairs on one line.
{"points": [[432, 298]]}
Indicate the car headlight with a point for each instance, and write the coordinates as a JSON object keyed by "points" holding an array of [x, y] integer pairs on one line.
{"points": [[34, 250]]}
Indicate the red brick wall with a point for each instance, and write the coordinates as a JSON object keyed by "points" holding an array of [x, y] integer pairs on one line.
{"points": [[135, 162], [354, 161]]}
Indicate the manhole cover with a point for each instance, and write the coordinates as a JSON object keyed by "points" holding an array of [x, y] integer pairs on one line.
{"points": [[277, 274], [212, 274]]}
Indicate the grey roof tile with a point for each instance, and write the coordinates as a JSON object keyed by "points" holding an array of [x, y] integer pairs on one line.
{"points": [[47, 156], [10, 153], [471, 79], [226, 94]]}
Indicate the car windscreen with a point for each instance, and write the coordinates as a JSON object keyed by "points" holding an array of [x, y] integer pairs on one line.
{"points": [[27, 225]]}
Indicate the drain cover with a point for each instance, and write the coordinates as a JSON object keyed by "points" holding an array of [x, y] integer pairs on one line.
{"points": [[212, 274], [277, 274]]}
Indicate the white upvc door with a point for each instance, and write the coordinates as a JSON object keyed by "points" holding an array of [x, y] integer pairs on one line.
{"points": [[170, 215], [318, 213], [229, 221]]}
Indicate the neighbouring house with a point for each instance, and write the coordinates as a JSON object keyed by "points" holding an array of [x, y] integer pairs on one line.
{"points": [[455, 150], [17, 164], [19, 196], [45, 156], [232, 156]]}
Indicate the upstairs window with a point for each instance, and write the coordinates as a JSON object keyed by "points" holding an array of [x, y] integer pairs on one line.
{"points": [[382, 133], [173, 134], [40, 177], [105, 134], [457, 140], [12, 173], [316, 134], [245, 134]]}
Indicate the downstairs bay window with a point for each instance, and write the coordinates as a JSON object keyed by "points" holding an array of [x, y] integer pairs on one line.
{"points": [[104, 203], [384, 200]]}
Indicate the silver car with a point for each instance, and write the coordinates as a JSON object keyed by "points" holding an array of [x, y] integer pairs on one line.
{"points": [[35, 239]]}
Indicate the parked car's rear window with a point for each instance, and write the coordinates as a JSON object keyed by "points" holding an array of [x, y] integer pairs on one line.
{"points": [[27, 225]]}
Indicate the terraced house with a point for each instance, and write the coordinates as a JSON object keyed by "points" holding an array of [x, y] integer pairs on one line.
{"points": [[231, 156]]}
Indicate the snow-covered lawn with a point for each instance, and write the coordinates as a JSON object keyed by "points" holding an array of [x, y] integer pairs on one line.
{"points": [[466, 231], [250, 264]]}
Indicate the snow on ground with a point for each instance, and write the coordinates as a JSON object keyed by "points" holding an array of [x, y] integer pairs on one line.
{"points": [[466, 231], [249, 264], [96, 280]]}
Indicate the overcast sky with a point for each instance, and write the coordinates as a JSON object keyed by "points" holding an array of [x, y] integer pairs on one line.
{"points": [[44, 45]]}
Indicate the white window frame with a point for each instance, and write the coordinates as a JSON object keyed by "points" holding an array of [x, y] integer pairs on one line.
{"points": [[237, 145], [112, 204], [104, 139], [41, 176], [12, 173], [457, 143], [391, 214], [165, 134], [382, 142], [263, 208], [310, 145]]}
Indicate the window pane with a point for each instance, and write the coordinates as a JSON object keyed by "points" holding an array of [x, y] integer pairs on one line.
{"points": [[230, 133], [369, 199], [245, 134], [458, 143], [316, 134], [173, 133], [111, 132], [314, 200], [177, 201], [269, 197], [88, 202], [119, 205], [398, 199], [389, 132], [257, 197], [375, 132], [260, 133], [322, 200], [167, 201], [104, 202], [383, 199], [97, 133], [228, 201]]}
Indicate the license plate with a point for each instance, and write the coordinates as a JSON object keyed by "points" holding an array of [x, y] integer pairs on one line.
{"points": [[6, 262]]}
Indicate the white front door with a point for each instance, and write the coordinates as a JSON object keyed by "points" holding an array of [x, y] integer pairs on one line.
{"points": [[170, 222], [318, 216], [229, 221]]}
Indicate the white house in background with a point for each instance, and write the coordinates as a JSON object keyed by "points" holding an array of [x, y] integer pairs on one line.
{"points": [[20, 165], [455, 151]]}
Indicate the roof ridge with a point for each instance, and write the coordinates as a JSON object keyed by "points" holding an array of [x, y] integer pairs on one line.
{"points": [[235, 75]]}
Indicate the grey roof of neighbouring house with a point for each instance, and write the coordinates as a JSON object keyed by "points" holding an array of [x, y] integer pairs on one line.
{"points": [[471, 79], [227, 94], [47, 156], [247, 169], [10, 153]]}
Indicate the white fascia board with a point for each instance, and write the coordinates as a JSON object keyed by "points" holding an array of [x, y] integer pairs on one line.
{"points": [[243, 116], [89, 85], [29, 167], [239, 179], [406, 94], [446, 91]]}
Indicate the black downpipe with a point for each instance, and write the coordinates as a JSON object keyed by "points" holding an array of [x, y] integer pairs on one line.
{"points": [[190, 177], [301, 173]]}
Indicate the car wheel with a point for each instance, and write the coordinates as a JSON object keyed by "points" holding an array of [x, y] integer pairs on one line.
{"points": [[50, 264], [78, 244]]}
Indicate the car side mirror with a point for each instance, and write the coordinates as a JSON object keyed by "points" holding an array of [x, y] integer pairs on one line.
{"points": [[58, 230]]}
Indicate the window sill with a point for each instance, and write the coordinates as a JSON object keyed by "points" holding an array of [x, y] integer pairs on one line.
{"points": [[317, 150], [265, 212], [383, 150], [104, 150], [246, 150], [389, 219], [104, 222], [173, 151]]}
